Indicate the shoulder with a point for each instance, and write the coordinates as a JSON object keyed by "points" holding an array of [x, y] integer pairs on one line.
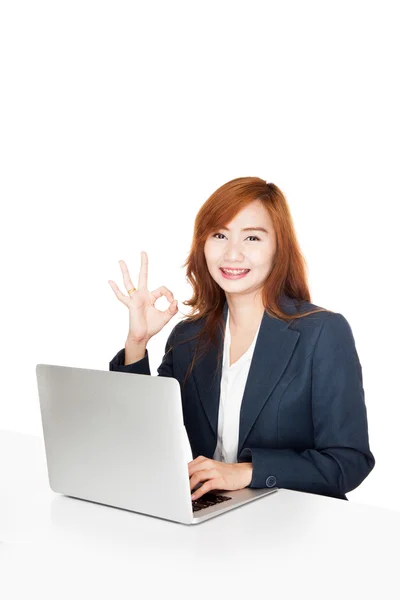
{"points": [[325, 325], [183, 330], [319, 314], [331, 334]]}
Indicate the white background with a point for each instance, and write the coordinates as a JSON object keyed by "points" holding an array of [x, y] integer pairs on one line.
{"points": [[119, 119]]}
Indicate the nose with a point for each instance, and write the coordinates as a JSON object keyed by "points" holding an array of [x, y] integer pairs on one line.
{"points": [[233, 253]]}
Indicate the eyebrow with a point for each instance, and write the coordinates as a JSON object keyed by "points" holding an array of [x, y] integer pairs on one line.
{"points": [[248, 229]]}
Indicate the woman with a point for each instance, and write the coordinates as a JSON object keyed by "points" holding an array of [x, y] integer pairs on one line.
{"points": [[275, 396]]}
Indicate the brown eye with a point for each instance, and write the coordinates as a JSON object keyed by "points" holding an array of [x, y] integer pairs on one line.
{"points": [[249, 236]]}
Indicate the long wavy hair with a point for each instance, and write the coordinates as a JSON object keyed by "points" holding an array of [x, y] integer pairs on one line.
{"points": [[287, 275]]}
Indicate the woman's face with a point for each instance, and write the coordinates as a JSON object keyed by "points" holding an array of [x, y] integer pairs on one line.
{"points": [[236, 248]]}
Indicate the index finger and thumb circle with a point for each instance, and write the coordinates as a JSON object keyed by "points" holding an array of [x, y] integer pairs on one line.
{"points": [[173, 303], [157, 293]]}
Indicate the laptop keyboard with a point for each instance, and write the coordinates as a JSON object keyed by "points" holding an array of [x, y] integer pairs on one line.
{"points": [[209, 499]]}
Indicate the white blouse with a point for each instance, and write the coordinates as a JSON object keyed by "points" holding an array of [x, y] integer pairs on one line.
{"points": [[233, 382]]}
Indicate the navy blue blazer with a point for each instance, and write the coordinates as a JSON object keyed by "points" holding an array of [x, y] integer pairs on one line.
{"points": [[303, 420]]}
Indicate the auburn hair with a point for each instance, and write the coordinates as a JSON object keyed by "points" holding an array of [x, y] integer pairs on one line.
{"points": [[287, 275]]}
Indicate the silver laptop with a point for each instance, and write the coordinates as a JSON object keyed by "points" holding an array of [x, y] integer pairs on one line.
{"points": [[119, 439]]}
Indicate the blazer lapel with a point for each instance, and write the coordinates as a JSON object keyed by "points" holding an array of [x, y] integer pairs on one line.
{"points": [[208, 384], [274, 347]]}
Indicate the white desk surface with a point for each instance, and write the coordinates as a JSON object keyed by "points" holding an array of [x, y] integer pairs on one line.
{"points": [[287, 545]]}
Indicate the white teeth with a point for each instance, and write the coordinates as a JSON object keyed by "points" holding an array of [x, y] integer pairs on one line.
{"points": [[234, 272]]}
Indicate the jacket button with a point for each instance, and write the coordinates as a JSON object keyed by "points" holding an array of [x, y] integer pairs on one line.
{"points": [[270, 481]]}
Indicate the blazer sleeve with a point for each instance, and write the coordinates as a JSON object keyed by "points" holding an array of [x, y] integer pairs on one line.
{"points": [[142, 367], [341, 458]]}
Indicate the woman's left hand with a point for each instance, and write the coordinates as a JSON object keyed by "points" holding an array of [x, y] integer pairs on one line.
{"points": [[218, 475]]}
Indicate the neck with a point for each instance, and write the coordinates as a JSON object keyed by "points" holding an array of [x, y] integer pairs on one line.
{"points": [[244, 312]]}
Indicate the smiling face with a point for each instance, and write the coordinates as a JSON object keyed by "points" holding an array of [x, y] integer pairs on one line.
{"points": [[241, 246]]}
